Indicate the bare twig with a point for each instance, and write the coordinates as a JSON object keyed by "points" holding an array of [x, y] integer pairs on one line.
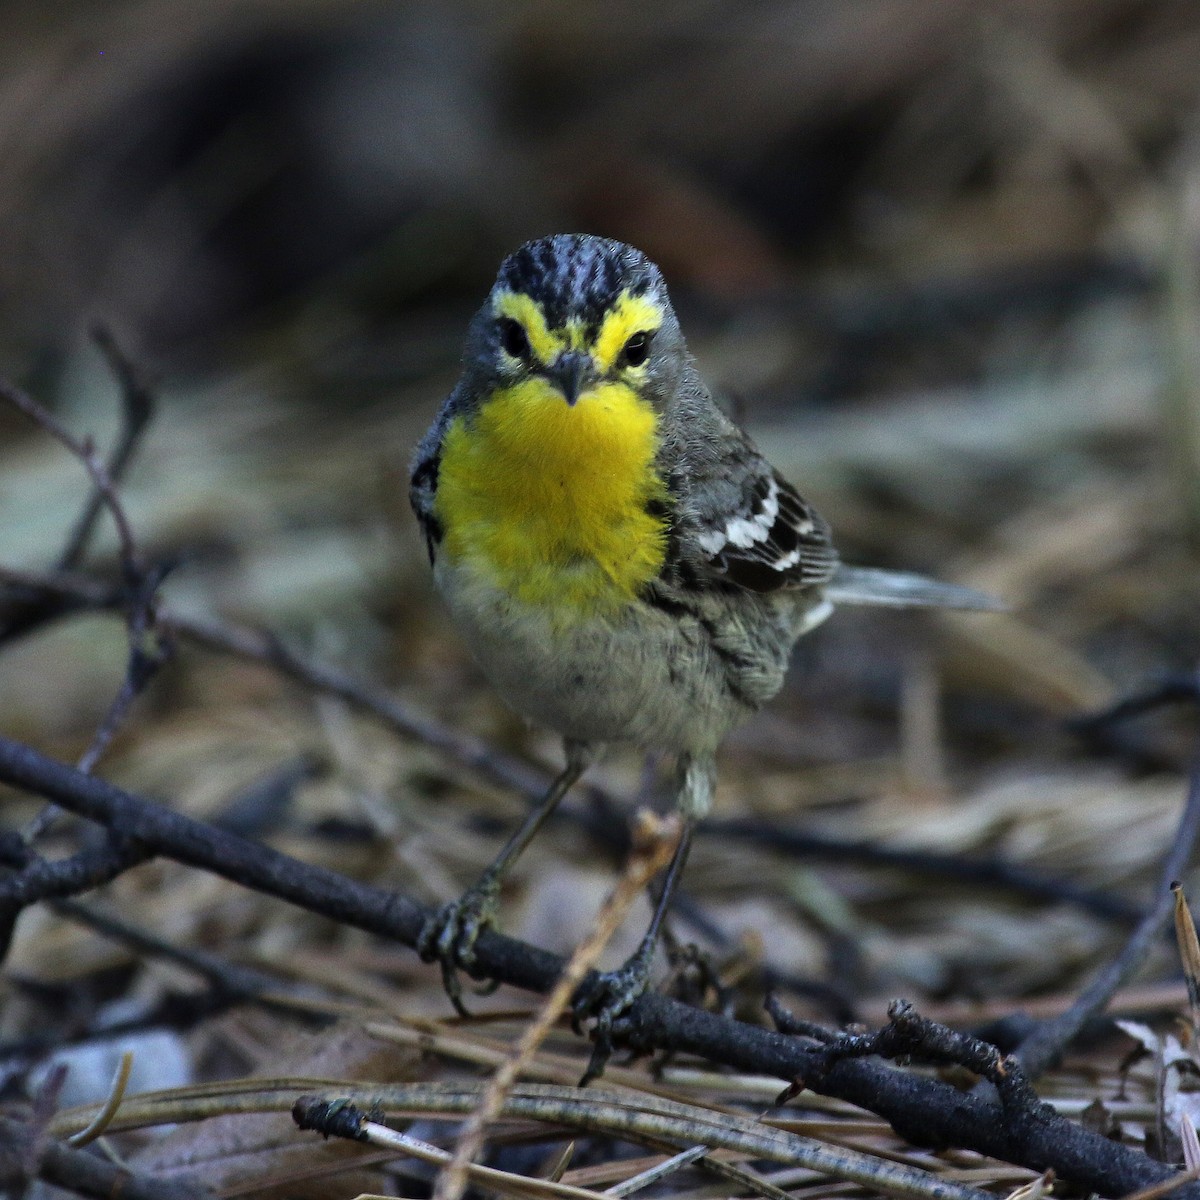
{"points": [[1042, 1048], [473, 753], [346, 1120], [936, 1112], [231, 980], [80, 591], [908, 1033], [655, 1120], [34, 880], [147, 651], [1175, 688], [86, 453], [89, 1175], [137, 410], [654, 844], [39, 879], [985, 872]]}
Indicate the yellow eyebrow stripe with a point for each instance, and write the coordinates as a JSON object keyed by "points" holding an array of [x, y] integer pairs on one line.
{"points": [[631, 314], [528, 314]]}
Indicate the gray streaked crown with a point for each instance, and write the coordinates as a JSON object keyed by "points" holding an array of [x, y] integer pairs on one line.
{"points": [[578, 275]]}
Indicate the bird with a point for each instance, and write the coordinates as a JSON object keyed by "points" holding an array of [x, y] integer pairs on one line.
{"points": [[623, 562]]}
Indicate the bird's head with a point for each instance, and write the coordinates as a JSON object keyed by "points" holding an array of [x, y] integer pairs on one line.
{"points": [[578, 312]]}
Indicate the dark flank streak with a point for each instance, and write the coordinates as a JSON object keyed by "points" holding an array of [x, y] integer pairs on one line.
{"points": [[422, 486]]}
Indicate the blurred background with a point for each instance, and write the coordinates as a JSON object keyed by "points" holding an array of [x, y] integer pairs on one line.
{"points": [[940, 256]]}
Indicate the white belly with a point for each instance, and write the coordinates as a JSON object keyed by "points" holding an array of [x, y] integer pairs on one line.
{"points": [[636, 675]]}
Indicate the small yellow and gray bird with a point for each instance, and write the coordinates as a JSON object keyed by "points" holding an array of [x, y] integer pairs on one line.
{"points": [[624, 564]]}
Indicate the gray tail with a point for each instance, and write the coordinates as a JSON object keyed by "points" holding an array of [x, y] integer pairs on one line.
{"points": [[900, 589]]}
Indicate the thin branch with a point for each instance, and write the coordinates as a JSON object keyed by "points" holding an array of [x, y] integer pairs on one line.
{"points": [[230, 985], [908, 1034], [1175, 688], [1105, 732], [345, 1120], [473, 753], [138, 404], [86, 453], [656, 1121], [69, 589], [147, 651], [232, 981], [926, 1111], [89, 1175], [1043, 1047], [38, 879], [991, 872], [33, 879], [653, 848], [137, 409]]}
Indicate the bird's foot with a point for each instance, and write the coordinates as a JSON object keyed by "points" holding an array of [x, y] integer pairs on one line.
{"points": [[450, 935], [605, 998]]}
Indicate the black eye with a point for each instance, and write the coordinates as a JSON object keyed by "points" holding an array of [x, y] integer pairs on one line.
{"points": [[637, 350], [513, 339]]}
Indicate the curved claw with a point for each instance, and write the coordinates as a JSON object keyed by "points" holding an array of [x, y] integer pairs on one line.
{"points": [[606, 998], [449, 937]]}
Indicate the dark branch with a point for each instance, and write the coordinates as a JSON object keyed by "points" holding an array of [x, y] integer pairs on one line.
{"points": [[85, 452], [148, 649], [137, 410], [1183, 688], [909, 1035], [78, 1171], [926, 1110], [20, 614], [994, 872], [34, 879], [1042, 1048], [232, 981]]}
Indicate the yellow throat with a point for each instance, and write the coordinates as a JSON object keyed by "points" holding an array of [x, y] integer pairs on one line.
{"points": [[548, 500]]}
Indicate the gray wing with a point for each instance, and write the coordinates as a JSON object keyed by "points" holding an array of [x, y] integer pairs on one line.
{"points": [[738, 522], [769, 538]]}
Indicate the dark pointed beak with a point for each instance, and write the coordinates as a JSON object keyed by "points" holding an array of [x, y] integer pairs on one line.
{"points": [[571, 372]]}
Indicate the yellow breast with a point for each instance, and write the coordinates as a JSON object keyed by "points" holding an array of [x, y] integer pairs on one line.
{"points": [[549, 500]]}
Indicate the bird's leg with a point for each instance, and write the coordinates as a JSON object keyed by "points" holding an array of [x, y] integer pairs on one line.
{"points": [[450, 935], [607, 996]]}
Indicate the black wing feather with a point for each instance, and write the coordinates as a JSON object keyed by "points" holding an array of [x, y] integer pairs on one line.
{"points": [[764, 554]]}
